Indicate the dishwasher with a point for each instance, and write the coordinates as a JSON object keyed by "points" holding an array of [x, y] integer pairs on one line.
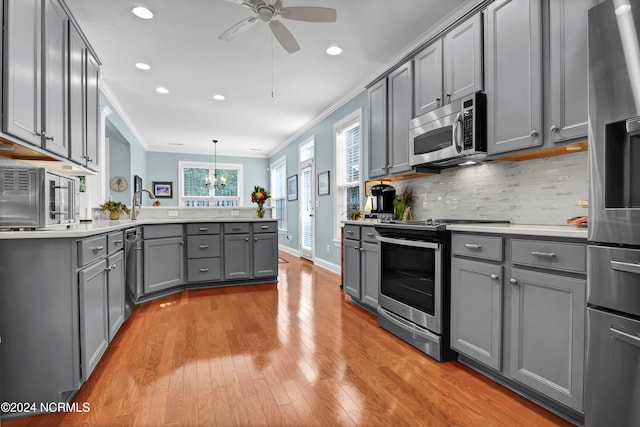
{"points": [[133, 257]]}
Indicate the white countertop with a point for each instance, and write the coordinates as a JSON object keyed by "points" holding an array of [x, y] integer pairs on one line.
{"points": [[105, 226], [570, 231]]}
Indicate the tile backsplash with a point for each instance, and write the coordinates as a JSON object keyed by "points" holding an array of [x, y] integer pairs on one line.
{"points": [[541, 191]]}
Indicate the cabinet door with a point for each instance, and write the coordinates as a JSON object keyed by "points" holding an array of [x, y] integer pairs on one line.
{"points": [[115, 291], [399, 114], [22, 70], [547, 334], [77, 109], [352, 270], [427, 84], [94, 318], [55, 77], [92, 104], [514, 75], [163, 263], [237, 256], [265, 255], [476, 310], [463, 59], [370, 273], [569, 83], [378, 129]]}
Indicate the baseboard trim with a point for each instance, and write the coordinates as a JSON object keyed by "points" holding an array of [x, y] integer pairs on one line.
{"points": [[289, 250], [334, 268]]}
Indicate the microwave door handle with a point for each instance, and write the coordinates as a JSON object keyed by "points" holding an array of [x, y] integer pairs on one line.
{"points": [[456, 139]]}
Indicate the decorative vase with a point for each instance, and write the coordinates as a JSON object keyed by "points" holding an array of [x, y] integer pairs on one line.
{"points": [[114, 215], [260, 211]]}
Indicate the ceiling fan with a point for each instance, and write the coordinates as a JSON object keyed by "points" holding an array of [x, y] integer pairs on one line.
{"points": [[269, 11]]}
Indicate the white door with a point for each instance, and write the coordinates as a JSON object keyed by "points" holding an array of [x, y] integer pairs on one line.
{"points": [[307, 202]]}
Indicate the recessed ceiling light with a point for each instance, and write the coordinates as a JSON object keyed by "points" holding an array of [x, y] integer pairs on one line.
{"points": [[143, 66], [218, 97], [176, 143], [142, 12], [162, 90], [255, 149], [334, 50]]}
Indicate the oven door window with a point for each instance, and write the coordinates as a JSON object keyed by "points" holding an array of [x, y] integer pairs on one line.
{"points": [[408, 276]]}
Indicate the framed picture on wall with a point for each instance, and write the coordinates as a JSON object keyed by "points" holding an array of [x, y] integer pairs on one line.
{"points": [[323, 183], [137, 185], [292, 187], [163, 189]]}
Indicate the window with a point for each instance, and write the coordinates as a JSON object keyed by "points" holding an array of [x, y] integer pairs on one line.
{"points": [[279, 191], [347, 138], [194, 190]]}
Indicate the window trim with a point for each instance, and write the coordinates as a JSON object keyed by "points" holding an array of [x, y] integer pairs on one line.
{"points": [[272, 167], [209, 165]]}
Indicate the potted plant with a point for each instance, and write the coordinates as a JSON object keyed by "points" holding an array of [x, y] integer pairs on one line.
{"points": [[114, 209], [402, 201], [355, 215]]}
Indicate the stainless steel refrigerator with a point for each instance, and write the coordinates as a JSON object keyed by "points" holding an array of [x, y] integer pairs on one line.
{"points": [[612, 383]]}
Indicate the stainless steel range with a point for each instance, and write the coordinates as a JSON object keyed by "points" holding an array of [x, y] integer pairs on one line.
{"points": [[414, 292]]}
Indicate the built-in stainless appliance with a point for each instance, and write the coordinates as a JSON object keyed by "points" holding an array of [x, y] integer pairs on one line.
{"points": [[133, 262], [612, 380], [37, 198], [414, 293], [451, 134]]}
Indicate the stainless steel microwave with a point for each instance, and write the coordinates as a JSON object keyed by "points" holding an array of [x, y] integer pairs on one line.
{"points": [[451, 134], [37, 198]]}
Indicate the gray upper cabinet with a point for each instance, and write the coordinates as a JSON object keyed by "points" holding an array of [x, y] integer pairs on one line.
{"points": [[568, 80], [547, 334], [55, 78], [476, 310], [77, 107], [513, 61], [399, 114], [428, 84], [463, 59], [23, 70], [92, 103], [163, 263], [378, 129]]}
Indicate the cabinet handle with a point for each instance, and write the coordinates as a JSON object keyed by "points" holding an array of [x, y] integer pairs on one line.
{"points": [[493, 276], [265, 227], [182, 243], [235, 228], [438, 100], [204, 270], [97, 248], [204, 228], [349, 232], [48, 138], [472, 246], [117, 242], [246, 239], [204, 246], [113, 266], [356, 248], [371, 234], [513, 281], [543, 254], [362, 249], [554, 129], [448, 97], [255, 239], [533, 133]]}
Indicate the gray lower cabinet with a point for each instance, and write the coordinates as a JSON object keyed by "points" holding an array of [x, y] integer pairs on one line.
{"points": [[370, 273], [351, 281], [476, 310], [250, 250], [361, 264], [265, 255], [163, 247], [237, 256], [94, 315], [204, 249], [548, 334], [115, 292]]}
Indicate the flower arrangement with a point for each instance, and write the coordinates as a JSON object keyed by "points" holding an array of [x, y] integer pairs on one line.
{"points": [[114, 209], [259, 196]]}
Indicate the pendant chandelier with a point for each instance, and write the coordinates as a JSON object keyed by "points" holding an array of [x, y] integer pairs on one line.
{"points": [[213, 180]]}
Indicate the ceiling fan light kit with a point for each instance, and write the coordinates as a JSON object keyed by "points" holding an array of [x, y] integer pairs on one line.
{"points": [[268, 10]]}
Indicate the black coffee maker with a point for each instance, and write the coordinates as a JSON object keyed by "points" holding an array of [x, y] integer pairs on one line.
{"points": [[382, 196]]}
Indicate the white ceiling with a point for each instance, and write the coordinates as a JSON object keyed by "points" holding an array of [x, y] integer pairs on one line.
{"points": [[181, 44]]}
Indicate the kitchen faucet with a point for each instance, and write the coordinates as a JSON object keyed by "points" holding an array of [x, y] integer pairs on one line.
{"points": [[134, 215]]}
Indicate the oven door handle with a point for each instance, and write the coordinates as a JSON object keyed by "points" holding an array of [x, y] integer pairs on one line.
{"points": [[624, 336], [413, 243], [423, 333]]}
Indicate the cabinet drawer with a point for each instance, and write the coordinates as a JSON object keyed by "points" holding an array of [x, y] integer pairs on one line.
{"points": [[352, 232], [203, 228], [159, 231], [265, 227], [91, 249], [472, 245], [369, 234], [203, 246], [553, 255], [236, 227], [203, 269], [115, 241]]}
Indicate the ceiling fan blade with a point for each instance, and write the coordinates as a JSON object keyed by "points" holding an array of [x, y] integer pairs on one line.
{"points": [[240, 27], [271, 2], [284, 36], [309, 13]]}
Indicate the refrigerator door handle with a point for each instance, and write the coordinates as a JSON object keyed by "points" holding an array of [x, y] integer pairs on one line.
{"points": [[628, 267], [624, 336]]}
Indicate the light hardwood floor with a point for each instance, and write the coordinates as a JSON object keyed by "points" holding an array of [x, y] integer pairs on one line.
{"points": [[296, 352]]}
